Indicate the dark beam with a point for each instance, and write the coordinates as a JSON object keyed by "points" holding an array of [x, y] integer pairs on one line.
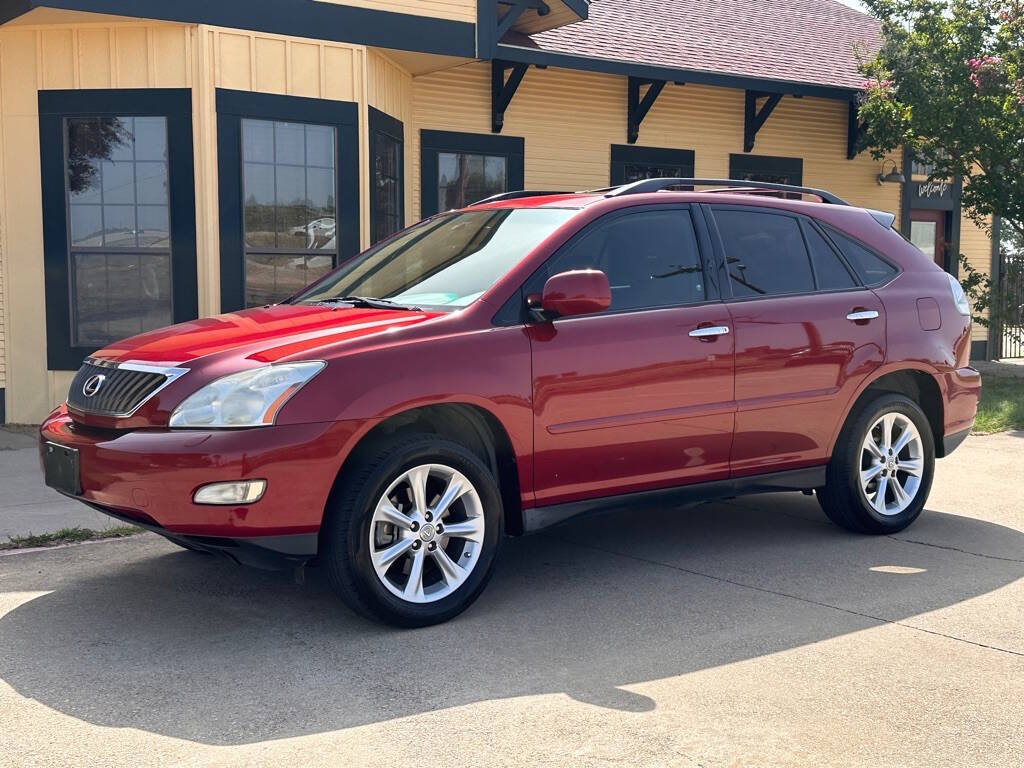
{"points": [[638, 106], [754, 118], [510, 18], [503, 90], [854, 132]]}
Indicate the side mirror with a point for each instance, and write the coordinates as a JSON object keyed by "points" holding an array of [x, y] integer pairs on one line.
{"points": [[580, 292]]}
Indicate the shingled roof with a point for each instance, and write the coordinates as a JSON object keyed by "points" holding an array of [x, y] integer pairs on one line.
{"points": [[802, 41]]}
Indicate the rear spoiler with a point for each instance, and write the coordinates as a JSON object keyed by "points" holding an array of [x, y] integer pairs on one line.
{"points": [[887, 220]]}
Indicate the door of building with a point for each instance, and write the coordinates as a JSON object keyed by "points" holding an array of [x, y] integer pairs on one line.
{"points": [[928, 232]]}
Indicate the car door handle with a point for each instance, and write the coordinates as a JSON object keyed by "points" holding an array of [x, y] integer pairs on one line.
{"points": [[710, 330], [861, 315]]}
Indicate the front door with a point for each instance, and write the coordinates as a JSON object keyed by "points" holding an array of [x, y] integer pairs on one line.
{"points": [[806, 334], [928, 232], [628, 399]]}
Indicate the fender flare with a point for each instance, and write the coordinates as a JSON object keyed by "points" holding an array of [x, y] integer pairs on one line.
{"points": [[880, 372]]}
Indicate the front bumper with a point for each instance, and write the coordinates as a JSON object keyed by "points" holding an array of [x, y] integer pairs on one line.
{"points": [[266, 552], [149, 476]]}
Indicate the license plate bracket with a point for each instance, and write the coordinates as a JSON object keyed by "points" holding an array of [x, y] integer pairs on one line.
{"points": [[62, 468]]}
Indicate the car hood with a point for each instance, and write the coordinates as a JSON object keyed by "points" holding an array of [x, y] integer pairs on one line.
{"points": [[266, 334]]}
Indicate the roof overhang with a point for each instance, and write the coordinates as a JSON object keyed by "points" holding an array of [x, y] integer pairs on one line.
{"points": [[299, 18], [542, 15], [539, 57]]}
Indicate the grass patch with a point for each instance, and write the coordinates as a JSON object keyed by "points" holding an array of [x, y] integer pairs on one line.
{"points": [[1001, 406], [67, 536]]}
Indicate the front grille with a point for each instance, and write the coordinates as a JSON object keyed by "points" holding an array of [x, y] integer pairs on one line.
{"points": [[119, 392]]}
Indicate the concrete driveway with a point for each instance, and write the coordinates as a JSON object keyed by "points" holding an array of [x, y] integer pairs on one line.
{"points": [[746, 633]]}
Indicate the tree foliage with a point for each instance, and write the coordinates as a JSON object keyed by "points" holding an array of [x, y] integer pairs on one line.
{"points": [[948, 84]]}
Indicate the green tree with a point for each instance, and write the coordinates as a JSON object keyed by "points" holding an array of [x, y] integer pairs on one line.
{"points": [[948, 84]]}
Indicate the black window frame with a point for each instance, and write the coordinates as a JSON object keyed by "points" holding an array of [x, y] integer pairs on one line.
{"points": [[55, 108], [381, 123], [623, 155], [433, 143], [791, 167], [235, 106], [802, 222], [516, 312]]}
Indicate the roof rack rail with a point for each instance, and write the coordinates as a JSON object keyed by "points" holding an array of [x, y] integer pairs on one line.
{"points": [[516, 195], [656, 185]]}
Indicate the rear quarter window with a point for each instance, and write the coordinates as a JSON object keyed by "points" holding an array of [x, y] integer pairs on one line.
{"points": [[871, 268]]}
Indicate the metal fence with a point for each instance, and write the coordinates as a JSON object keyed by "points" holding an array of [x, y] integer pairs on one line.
{"points": [[1010, 326]]}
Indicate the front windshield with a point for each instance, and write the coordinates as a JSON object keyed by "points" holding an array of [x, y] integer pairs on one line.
{"points": [[445, 262]]}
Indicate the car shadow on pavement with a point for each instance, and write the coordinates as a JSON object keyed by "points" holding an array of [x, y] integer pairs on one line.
{"points": [[136, 634]]}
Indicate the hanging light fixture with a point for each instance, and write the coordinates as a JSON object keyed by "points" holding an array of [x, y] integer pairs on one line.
{"points": [[892, 177]]}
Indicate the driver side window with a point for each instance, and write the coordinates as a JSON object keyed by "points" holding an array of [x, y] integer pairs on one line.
{"points": [[651, 259]]}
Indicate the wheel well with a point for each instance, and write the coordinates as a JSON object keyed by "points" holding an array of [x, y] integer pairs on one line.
{"points": [[474, 428], [919, 387]]}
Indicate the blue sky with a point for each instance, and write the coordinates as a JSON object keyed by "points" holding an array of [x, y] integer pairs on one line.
{"points": [[853, 4]]}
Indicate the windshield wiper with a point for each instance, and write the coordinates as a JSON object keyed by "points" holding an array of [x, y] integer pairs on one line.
{"points": [[368, 302]]}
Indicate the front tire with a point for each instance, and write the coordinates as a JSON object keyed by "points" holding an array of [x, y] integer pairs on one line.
{"points": [[411, 534], [882, 468]]}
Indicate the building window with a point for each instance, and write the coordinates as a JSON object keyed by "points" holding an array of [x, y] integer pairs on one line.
{"points": [[119, 216], [776, 170], [630, 163], [289, 193], [387, 203], [288, 185], [461, 168]]}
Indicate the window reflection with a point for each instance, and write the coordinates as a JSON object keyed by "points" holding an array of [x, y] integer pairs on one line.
{"points": [[118, 208], [464, 178], [289, 190]]}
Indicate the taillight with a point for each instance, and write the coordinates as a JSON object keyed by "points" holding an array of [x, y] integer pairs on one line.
{"points": [[959, 297]]}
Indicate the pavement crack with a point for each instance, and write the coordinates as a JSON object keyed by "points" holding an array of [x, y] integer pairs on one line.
{"points": [[955, 549], [790, 596]]}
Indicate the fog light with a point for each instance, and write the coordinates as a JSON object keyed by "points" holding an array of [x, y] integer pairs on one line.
{"points": [[243, 492]]}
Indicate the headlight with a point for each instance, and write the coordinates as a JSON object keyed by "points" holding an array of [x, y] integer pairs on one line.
{"points": [[248, 399], [959, 297]]}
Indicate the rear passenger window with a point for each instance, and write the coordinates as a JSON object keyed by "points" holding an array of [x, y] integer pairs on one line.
{"points": [[831, 273], [872, 269], [765, 253], [651, 259]]}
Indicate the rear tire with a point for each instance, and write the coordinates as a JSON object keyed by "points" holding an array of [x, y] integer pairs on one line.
{"points": [[882, 468], [386, 544]]}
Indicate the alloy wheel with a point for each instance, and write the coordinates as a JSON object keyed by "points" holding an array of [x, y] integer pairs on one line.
{"points": [[891, 464], [426, 533]]}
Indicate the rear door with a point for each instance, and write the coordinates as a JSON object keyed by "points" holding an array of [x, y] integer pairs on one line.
{"points": [[806, 334], [628, 399]]}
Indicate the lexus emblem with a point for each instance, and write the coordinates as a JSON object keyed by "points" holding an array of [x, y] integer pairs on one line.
{"points": [[93, 385]]}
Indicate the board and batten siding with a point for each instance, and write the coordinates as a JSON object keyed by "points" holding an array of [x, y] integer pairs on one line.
{"points": [[130, 55], [389, 88], [119, 55], [455, 10]]}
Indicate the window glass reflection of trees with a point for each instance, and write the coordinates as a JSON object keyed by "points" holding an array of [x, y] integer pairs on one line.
{"points": [[119, 216]]}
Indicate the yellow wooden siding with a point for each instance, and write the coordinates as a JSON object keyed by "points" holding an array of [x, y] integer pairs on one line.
{"points": [[130, 55], [116, 55], [976, 246], [389, 88], [455, 10], [252, 61], [570, 120]]}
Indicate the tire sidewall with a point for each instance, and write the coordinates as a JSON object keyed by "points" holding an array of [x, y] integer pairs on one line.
{"points": [[852, 456], [357, 531]]}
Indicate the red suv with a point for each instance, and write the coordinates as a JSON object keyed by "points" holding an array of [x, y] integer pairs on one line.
{"points": [[501, 368]]}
